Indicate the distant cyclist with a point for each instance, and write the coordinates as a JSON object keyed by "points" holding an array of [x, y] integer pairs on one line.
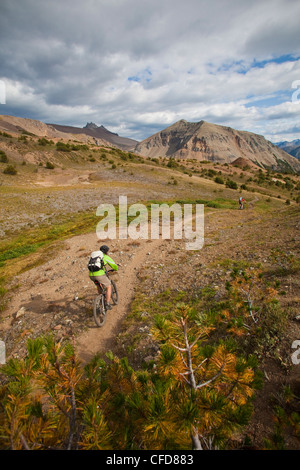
{"points": [[241, 202], [100, 275]]}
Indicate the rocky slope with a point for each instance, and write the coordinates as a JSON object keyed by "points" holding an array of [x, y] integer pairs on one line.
{"points": [[18, 126], [90, 134], [206, 141]]}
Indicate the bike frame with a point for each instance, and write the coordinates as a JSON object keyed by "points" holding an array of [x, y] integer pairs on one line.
{"points": [[102, 298]]}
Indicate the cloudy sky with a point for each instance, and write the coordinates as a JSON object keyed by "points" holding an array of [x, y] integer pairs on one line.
{"points": [[138, 66]]}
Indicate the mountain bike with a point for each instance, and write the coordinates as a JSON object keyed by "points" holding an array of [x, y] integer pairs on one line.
{"points": [[100, 304]]}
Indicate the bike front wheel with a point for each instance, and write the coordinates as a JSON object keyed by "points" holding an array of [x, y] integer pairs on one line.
{"points": [[99, 310]]}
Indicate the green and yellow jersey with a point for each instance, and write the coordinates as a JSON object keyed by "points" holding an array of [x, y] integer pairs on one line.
{"points": [[106, 260]]}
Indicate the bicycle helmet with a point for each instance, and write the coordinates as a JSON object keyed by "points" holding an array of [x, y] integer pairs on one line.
{"points": [[104, 249]]}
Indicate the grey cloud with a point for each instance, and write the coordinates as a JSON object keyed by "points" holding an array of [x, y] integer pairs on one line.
{"points": [[275, 30], [78, 56], [274, 36]]}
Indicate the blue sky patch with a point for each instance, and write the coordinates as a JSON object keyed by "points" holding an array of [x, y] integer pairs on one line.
{"points": [[143, 76]]}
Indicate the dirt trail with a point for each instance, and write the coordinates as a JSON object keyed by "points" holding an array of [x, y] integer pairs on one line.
{"points": [[52, 297], [58, 296], [101, 339]]}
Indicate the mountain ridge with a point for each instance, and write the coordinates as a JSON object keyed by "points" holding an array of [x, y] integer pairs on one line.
{"points": [[182, 140], [212, 142], [291, 147], [98, 134]]}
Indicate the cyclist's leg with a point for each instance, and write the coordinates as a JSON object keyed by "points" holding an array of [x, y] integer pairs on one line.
{"points": [[97, 284], [106, 283], [108, 294], [99, 287]]}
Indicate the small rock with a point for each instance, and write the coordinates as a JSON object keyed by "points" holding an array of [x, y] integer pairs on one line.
{"points": [[20, 312]]}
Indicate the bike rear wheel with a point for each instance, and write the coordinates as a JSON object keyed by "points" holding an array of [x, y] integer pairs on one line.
{"points": [[99, 310], [114, 293]]}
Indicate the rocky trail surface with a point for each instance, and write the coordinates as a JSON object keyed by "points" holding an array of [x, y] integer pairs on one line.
{"points": [[58, 296]]}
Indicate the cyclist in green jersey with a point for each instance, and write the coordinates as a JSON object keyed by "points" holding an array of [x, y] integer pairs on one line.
{"points": [[100, 275]]}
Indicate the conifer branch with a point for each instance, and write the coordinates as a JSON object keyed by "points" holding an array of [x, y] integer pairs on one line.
{"points": [[24, 442], [203, 384], [196, 441]]}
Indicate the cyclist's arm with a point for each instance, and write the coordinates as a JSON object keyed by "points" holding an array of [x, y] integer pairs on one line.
{"points": [[111, 263]]}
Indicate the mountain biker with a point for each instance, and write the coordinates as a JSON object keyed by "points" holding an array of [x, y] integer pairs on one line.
{"points": [[101, 277], [241, 202]]}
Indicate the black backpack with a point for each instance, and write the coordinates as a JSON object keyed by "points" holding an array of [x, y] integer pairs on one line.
{"points": [[96, 262]]}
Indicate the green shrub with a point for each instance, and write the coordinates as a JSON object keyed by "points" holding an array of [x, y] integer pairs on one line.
{"points": [[231, 184], [4, 134], [211, 172], [3, 157], [49, 165], [219, 180], [214, 205], [172, 163], [44, 142], [62, 147], [10, 170]]}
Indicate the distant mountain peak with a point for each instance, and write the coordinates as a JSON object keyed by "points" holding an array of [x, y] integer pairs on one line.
{"points": [[91, 125], [211, 142]]}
